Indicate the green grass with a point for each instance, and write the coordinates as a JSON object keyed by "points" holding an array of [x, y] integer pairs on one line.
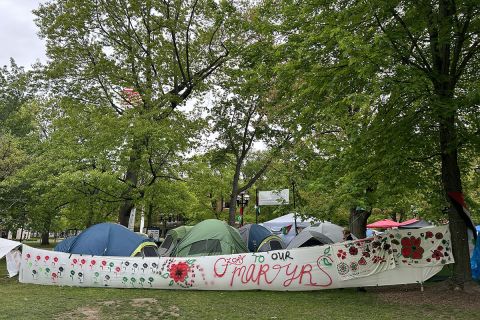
{"points": [[22, 301]]}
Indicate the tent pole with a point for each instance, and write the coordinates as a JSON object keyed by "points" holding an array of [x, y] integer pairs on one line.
{"points": [[257, 208], [294, 210]]}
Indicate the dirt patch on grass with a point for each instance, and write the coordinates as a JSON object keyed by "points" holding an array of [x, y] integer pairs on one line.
{"points": [[88, 313], [109, 303], [437, 294], [138, 308], [142, 302]]}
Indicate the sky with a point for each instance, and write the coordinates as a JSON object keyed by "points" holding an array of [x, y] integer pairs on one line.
{"points": [[18, 33]]}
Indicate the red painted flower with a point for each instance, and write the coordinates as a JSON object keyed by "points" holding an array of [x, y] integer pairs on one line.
{"points": [[55, 259], [438, 235], [179, 271], [429, 234], [362, 261], [341, 254], [411, 247], [353, 251], [437, 254]]}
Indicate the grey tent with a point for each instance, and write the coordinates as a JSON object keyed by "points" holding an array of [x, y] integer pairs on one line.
{"points": [[416, 225], [332, 231], [309, 238]]}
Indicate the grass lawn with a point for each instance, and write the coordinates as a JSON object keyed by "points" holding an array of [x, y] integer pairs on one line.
{"points": [[21, 301]]}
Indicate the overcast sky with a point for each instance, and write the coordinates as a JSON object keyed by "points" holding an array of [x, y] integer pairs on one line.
{"points": [[18, 33]]}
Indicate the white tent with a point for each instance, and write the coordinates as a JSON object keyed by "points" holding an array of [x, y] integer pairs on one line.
{"points": [[287, 221], [7, 248], [331, 230], [7, 245]]}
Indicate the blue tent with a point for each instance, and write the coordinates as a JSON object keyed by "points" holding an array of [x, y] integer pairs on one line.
{"points": [[107, 239], [259, 238], [475, 259]]}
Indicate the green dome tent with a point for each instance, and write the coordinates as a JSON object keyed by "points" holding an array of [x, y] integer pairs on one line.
{"points": [[174, 236], [208, 238]]}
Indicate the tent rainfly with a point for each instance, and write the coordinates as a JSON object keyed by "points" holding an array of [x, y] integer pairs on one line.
{"points": [[174, 236], [109, 239], [384, 224], [332, 231], [208, 238], [260, 239], [284, 226], [309, 238], [416, 224]]}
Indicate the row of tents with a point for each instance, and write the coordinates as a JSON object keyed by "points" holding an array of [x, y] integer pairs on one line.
{"points": [[214, 237], [209, 237]]}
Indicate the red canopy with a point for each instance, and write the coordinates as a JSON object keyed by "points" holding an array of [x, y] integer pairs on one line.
{"points": [[383, 224], [406, 223]]}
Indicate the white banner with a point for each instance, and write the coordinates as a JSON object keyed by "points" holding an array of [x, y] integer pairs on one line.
{"points": [[414, 259], [7, 245], [273, 197]]}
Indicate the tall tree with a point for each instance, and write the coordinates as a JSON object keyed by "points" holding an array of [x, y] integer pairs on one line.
{"points": [[161, 50], [407, 70]]}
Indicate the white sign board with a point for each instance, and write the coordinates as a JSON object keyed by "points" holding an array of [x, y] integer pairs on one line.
{"points": [[154, 234], [273, 197]]}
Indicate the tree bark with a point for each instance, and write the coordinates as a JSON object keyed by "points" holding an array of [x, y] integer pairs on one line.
{"points": [[451, 181], [444, 82], [235, 191], [131, 179], [218, 207], [358, 222], [45, 238], [232, 209], [150, 215]]}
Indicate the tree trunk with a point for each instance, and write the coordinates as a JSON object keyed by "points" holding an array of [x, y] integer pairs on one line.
{"points": [[90, 215], [217, 210], [358, 222], [451, 180], [150, 215], [131, 179], [233, 196], [45, 239], [444, 81], [393, 216], [232, 209]]}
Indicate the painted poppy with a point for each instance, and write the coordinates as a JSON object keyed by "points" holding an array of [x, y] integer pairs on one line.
{"points": [[411, 247], [179, 271]]}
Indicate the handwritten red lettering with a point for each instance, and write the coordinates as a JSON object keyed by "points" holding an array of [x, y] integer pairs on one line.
{"points": [[221, 265]]}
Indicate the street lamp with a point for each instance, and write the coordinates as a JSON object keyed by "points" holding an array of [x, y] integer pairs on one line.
{"points": [[242, 202]]}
